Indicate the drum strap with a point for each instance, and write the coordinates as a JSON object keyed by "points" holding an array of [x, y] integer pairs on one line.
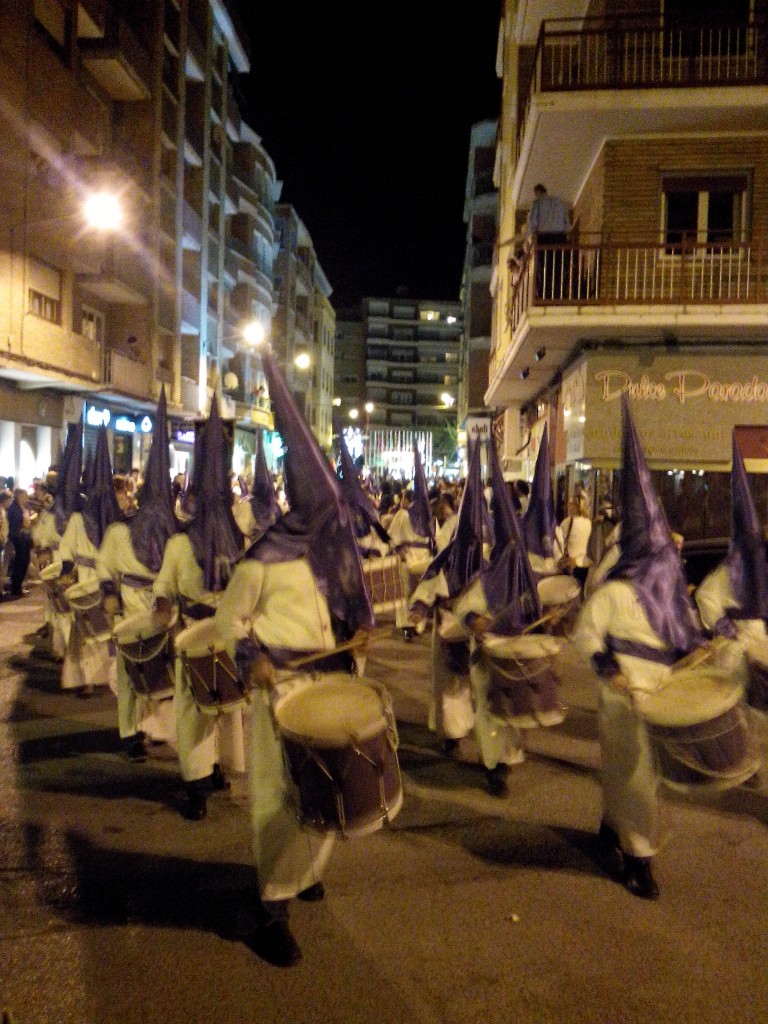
{"points": [[130, 579], [85, 561], [662, 656], [325, 661]]}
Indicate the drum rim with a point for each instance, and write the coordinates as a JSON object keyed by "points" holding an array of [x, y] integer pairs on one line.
{"points": [[339, 738], [660, 715], [202, 627], [122, 624], [573, 584], [491, 644]]}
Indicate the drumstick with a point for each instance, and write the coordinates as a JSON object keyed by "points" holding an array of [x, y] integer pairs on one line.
{"points": [[701, 654], [350, 645]]}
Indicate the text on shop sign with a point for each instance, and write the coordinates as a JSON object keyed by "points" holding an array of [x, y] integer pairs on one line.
{"points": [[681, 384]]}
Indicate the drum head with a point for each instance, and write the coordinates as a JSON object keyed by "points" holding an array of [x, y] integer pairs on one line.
{"points": [[558, 589], [521, 647], [199, 639], [690, 697], [85, 592], [51, 572], [331, 712], [141, 626]]}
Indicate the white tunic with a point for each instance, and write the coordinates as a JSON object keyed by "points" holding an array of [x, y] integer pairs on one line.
{"points": [[281, 606]]}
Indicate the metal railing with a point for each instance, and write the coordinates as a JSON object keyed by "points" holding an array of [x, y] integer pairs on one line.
{"points": [[639, 273], [643, 53]]}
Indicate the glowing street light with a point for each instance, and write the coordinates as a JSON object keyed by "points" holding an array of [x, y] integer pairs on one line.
{"points": [[447, 399], [254, 333], [369, 407], [103, 211], [353, 414], [302, 361]]}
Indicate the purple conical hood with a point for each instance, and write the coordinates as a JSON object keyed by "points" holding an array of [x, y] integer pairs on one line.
{"points": [[101, 507], [319, 523], [264, 504], [746, 561], [87, 471], [213, 532], [155, 521], [462, 558], [539, 521], [69, 496], [649, 558], [419, 511], [362, 508], [508, 581]]}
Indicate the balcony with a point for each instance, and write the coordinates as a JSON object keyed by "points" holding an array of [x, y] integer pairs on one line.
{"points": [[633, 290], [125, 375], [633, 76], [119, 63]]}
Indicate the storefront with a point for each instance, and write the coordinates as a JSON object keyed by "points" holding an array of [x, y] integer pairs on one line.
{"points": [[686, 404], [30, 432], [129, 435]]}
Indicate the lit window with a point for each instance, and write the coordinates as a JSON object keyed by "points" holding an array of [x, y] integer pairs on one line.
{"points": [[429, 314], [44, 306], [92, 324], [706, 209]]}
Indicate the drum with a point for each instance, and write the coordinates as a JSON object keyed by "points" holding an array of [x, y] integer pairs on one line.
{"points": [[417, 565], [148, 654], [209, 669], [699, 725], [85, 600], [44, 558], [560, 598], [523, 686], [385, 583], [757, 680], [340, 742], [55, 585]]}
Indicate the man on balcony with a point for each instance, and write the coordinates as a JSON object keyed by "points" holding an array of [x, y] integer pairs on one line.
{"points": [[549, 223]]}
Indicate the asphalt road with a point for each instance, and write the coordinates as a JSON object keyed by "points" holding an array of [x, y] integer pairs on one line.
{"points": [[466, 908]]}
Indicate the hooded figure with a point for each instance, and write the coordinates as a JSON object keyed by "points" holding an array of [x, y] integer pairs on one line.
{"points": [[155, 521], [263, 499], [318, 524], [649, 558], [364, 513], [101, 508], [419, 511], [462, 558], [213, 532], [508, 582], [746, 561], [69, 496], [539, 522]]}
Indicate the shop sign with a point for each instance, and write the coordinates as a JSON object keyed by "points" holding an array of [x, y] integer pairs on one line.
{"points": [[184, 436], [97, 417], [478, 428], [685, 405]]}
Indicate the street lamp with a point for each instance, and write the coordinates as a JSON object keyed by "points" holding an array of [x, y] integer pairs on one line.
{"points": [[103, 211], [254, 333], [353, 414], [302, 361], [447, 399]]}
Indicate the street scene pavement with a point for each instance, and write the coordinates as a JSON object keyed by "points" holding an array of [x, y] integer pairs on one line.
{"points": [[465, 908]]}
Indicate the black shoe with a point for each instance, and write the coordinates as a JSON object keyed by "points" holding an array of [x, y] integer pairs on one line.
{"points": [[196, 807], [496, 780], [85, 692], [313, 894], [450, 746], [134, 749], [275, 944], [219, 781], [638, 878], [408, 634], [610, 852]]}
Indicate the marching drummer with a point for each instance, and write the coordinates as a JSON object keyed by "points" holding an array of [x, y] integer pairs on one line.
{"points": [[541, 533], [258, 510], [194, 571], [45, 542], [501, 597], [88, 662], [128, 561], [633, 629], [297, 592], [451, 713]]}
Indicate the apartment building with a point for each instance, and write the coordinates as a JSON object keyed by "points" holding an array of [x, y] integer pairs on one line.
{"points": [[481, 205], [649, 121], [304, 326], [137, 101], [407, 394]]}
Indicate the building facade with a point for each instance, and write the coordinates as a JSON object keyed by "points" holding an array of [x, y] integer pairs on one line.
{"points": [[649, 122], [137, 101]]}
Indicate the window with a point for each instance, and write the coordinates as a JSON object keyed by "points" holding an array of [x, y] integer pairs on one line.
{"points": [[44, 306], [92, 324], [705, 209]]}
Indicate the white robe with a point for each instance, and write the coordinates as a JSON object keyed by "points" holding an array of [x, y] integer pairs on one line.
{"points": [[281, 606], [45, 536], [499, 741], [630, 774], [135, 712], [203, 740], [86, 663]]}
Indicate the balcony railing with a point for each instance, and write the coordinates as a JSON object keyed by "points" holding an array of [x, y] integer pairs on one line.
{"points": [[639, 273], [644, 53]]}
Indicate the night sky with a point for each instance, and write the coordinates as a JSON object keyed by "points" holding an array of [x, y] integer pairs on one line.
{"points": [[366, 112]]}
